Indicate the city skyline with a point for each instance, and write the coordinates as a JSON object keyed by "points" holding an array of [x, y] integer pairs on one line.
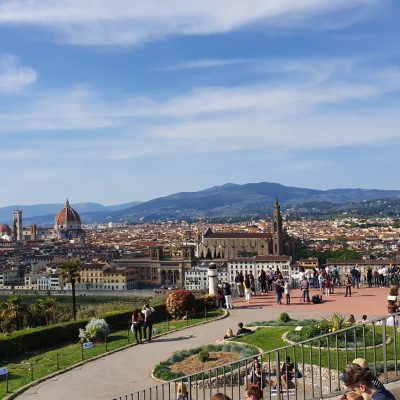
{"points": [[142, 100]]}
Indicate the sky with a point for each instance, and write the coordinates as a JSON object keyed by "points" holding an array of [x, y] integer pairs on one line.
{"points": [[130, 100]]}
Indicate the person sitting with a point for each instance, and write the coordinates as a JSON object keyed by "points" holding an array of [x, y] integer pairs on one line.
{"points": [[316, 299], [229, 334], [287, 373], [256, 375], [253, 392], [220, 396], [351, 319], [360, 381], [352, 396], [242, 331], [182, 391], [363, 320], [363, 363]]}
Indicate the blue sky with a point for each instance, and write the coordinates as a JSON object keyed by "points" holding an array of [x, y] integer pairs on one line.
{"points": [[130, 100]]}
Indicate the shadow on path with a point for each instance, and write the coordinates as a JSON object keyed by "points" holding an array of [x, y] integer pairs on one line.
{"points": [[173, 339]]}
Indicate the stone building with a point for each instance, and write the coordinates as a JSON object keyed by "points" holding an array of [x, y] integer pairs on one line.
{"points": [[228, 245], [160, 269]]}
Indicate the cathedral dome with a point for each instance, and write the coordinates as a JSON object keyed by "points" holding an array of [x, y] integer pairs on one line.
{"points": [[5, 230], [67, 218]]}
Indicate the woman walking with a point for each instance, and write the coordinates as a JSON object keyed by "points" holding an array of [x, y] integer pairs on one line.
{"points": [[136, 327]]}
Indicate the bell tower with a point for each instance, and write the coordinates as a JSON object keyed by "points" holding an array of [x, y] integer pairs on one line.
{"points": [[277, 230], [18, 235]]}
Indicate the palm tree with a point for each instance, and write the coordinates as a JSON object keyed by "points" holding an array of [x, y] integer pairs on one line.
{"points": [[48, 307], [69, 271], [13, 309]]}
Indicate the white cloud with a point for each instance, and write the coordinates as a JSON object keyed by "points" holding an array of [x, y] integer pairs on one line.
{"points": [[330, 109], [204, 63], [133, 22], [14, 77]]}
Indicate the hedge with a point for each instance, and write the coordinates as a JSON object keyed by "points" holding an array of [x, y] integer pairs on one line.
{"points": [[32, 339]]}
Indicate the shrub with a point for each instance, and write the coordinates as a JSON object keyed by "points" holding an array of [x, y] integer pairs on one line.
{"points": [[208, 301], [95, 329], [284, 317], [180, 302], [203, 355], [362, 333]]}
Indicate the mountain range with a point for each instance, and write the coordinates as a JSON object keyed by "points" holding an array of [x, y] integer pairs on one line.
{"points": [[230, 201]]}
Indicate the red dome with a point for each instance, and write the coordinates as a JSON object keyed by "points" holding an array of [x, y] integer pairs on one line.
{"points": [[67, 217], [5, 230]]}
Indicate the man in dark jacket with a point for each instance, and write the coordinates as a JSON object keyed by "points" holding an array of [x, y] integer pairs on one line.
{"points": [[263, 281]]}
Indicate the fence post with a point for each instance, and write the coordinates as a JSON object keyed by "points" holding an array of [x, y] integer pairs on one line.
{"points": [[187, 319], [58, 360], [205, 312], [167, 324], [7, 382], [128, 334], [384, 358], [82, 351], [105, 340], [278, 375], [31, 371]]}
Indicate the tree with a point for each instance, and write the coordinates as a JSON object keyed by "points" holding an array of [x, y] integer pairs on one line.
{"points": [[69, 271], [13, 310], [47, 307]]}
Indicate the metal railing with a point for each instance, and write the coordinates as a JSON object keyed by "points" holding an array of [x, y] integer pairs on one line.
{"points": [[318, 362]]}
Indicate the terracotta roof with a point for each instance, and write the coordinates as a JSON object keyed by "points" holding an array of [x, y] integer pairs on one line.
{"points": [[239, 235], [270, 257], [67, 215], [395, 261], [5, 229]]}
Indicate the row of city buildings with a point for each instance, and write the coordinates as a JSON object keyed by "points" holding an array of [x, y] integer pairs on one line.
{"points": [[30, 261]]}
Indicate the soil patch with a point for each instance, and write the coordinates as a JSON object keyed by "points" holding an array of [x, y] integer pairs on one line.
{"points": [[192, 364]]}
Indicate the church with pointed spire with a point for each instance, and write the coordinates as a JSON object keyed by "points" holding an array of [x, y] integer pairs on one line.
{"points": [[236, 244]]}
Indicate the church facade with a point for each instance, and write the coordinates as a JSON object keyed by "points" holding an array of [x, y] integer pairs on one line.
{"points": [[230, 245]]}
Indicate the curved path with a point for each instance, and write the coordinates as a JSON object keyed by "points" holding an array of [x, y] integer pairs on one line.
{"points": [[129, 370]]}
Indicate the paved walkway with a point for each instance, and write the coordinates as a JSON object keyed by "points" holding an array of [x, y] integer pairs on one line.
{"points": [[129, 370]]}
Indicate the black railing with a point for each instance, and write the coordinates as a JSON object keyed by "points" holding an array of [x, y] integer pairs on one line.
{"points": [[318, 362]]}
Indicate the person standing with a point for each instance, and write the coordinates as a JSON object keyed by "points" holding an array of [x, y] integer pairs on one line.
{"points": [[279, 288], [327, 285], [305, 289], [220, 296], [252, 283], [348, 281], [315, 278], [369, 277], [228, 295], [136, 327], [353, 273], [287, 292], [376, 277], [321, 280], [263, 281], [247, 289], [239, 285], [385, 276], [148, 313]]}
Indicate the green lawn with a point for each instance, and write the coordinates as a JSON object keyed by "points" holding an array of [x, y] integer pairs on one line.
{"points": [[23, 370], [270, 338]]}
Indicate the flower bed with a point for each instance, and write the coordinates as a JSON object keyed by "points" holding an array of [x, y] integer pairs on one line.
{"points": [[163, 370]]}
